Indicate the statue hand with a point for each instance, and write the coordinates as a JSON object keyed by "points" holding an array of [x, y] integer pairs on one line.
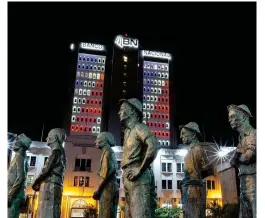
{"points": [[96, 195], [36, 187], [133, 174]]}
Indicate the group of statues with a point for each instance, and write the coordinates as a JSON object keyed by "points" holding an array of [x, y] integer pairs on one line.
{"points": [[140, 149]]}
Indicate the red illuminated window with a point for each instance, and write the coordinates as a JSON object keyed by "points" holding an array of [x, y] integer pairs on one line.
{"points": [[90, 119], [81, 128], [95, 110], [73, 128], [92, 93], [96, 93], [91, 110], [82, 118], [166, 99], [162, 116], [83, 109], [100, 93], [77, 119], [163, 108], [163, 125], [87, 109], [151, 115], [167, 108], [76, 128], [96, 101], [166, 83], [87, 101], [158, 133], [158, 116], [95, 120], [151, 124], [99, 102], [155, 107], [99, 111], [158, 107], [85, 129], [89, 129], [91, 102], [159, 99]]}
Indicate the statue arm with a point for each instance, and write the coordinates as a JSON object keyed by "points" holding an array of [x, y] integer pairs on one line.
{"points": [[250, 154], [21, 176], [151, 152], [46, 170]]}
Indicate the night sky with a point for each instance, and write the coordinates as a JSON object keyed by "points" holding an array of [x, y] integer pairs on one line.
{"points": [[213, 46]]}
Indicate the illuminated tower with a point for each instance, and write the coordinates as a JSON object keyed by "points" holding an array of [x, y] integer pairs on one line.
{"points": [[86, 116], [155, 68]]}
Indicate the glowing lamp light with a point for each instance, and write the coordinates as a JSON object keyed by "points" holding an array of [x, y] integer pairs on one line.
{"points": [[222, 153], [72, 46], [126, 35]]}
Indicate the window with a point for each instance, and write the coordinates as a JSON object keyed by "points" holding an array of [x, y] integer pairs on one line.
{"points": [[180, 167], [167, 167], [32, 161], [81, 181], [211, 184], [82, 164], [178, 184], [30, 179], [166, 184], [45, 159]]}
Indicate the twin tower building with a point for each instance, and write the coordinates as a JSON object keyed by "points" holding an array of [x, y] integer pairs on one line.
{"points": [[104, 75]]}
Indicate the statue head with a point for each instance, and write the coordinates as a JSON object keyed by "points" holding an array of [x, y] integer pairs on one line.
{"points": [[131, 108], [238, 116], [21, 142], [189, 133], [103, 139], [56, 135]]}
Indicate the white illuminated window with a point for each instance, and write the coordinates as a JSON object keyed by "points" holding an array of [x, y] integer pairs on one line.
{"points": [[102, 68], [148, 115], [98, 75], [95, 67], [168, 143], [82, 74], [73, 118], [83, 100], [152, 98], [148, 106], [158, 67], [155, 66], [152, 106], [79, 100], [159, 82], [80, 92], [144, 81], [152, 90], [159, 75], [86, 75], [166, 67], [163, 75], [90, 76], [76, 91], [155, 82], [156, 99], [93, 84], [163, 142], [144, 115], [163, 83], [89, 84], [78, 74], [151, 66], [103, 60], [88, 92], [162, 67], [75, 100], [98, 68], [98, 129], [166, 75], [78, 109], [99, 60], [74, 109], [159, 91], [84, 91], [85, 83], [148, 66], [98, 120], [148, 98], [83, 66], [144, 105], [94, 129], [148, 81], [125, 58], [167, 125], [152, 82], [155, 90], [94, 75], [144, 97]]}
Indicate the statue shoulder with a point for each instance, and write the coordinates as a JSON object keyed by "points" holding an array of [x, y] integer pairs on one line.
{"points": [[141, 127]]}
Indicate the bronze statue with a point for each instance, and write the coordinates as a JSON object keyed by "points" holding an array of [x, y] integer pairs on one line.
{"points": [[50, 180], [195, 164], [245, 158], [17, 176], [108, 191], [140, 149], [153, 195]]}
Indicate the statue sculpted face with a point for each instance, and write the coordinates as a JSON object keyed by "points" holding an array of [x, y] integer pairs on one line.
{"points": [[236, 118], [125, 111], [187, 136], [100, 141]]}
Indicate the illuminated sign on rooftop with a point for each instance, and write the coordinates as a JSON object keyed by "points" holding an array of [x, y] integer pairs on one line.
{"points": [[122, 42], [92, 46], [156, 54]]}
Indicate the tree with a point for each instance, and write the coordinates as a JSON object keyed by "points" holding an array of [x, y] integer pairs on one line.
{"points": [[90, 211]]}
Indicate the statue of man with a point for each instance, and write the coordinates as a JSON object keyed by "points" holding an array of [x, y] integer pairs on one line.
{"points": [[195, 163], [108, 191], [140, 149], [245, 158], [17, 175], [50, 180]]}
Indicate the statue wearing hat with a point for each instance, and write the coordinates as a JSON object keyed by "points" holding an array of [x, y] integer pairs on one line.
{"points": [[17, 175], [140, 149], [50, 181], [244, 158], [196, 164], [108, 191]]}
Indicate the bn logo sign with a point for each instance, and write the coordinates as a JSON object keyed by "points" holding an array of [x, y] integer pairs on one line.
{"points": [[122, 42]]}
